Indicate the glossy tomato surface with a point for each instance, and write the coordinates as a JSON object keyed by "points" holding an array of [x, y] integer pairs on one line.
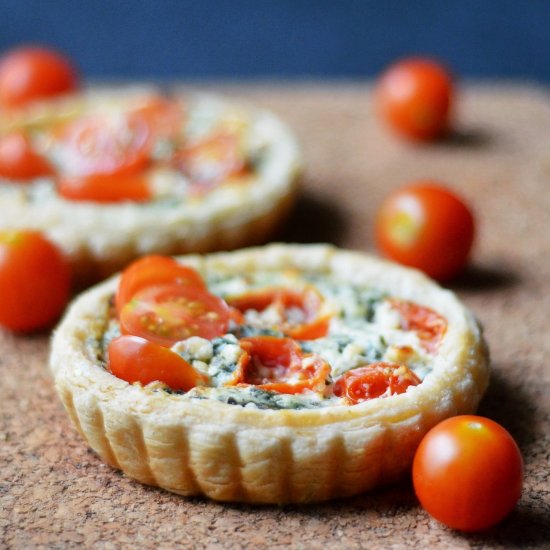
{"points": [[414, 97], [468, 472], [32, 73], [19, 161], [34, 281], [427, 226], [137, 360]]}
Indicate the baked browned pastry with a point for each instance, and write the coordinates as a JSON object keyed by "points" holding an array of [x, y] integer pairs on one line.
{"points": [[129, 171], [261, 433]]}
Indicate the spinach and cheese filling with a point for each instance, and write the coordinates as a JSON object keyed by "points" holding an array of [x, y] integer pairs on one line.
{"points": [[297, 340]]}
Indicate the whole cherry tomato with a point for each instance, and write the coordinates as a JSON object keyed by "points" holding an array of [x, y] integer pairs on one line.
{"points": [[19, 161], [468, 472], [427, 226], [153, 271], [137, 360], [31, 73], [414, 97], [34, 281], [169, 313]]}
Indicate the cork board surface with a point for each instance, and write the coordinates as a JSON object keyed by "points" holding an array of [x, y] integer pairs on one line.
{"points": [[55, 493]]}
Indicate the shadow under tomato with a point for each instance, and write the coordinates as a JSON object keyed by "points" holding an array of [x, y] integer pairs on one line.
{"points": [[483, 278], [473, 138], [314, 219]]}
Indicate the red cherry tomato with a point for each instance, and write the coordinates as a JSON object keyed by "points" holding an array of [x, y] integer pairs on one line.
{"points": [[164, 115], [34, 281], [19, 161], [426, 226], [429, 325], [105, 188], [29, 74], [108, 145], [468, 472], [374, 380], [278, 364], [136, 360], [153, 271], [414, 97], [298, 311], [169, 313]]}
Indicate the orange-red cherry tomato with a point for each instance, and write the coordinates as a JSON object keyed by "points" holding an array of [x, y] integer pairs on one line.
{"points": [[298, 311], [163, 115], [34, 281], [468, 472], [426, 226], [414, 96], [375, 380], [32, 73], [108, 145], [135, 359], [153, 271], [278, 364], [19, 161], [169, 313]]}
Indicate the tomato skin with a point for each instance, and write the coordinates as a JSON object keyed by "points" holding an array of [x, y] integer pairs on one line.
{"points": [[135, 359], [414, 97], [154, 270], [31, 73], [18, 160], [426, 226], [34, 281], [375, 380], [166, 314], [468, 473], [105, 188]]}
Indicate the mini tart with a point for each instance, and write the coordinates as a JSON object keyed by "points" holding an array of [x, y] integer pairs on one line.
{"points": [[233, 453], [100, 238]]}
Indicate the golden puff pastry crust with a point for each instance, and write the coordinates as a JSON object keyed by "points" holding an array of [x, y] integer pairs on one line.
{"points": [[100, 238], [235, 453]]}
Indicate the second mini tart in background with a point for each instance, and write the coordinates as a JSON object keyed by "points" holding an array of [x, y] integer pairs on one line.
{"points": [[131, 172]]}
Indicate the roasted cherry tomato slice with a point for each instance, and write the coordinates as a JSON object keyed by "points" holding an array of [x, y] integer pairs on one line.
{"points": [[34, 281], [163, 115], [427, 226], [169, 313], [278, 364], [135, 359], [153, 271], [108, 145], [105, 188], [297, 312], [19, 161], [468, 472], [429, 325], [374, 380], [28, 74], [212, 160], [414, 97]]}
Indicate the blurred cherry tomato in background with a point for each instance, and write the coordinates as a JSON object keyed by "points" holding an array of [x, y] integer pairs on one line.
{"points": [[414, 97], [468, 473], [426, 226], [34, 281], [31, 73]]}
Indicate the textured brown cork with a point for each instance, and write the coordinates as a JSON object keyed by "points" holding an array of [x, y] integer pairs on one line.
{"points": [[55, 493]]}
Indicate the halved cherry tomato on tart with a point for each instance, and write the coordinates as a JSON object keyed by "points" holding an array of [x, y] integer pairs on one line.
{"points": [[380, 379], [279, 365], [166, 314], [164, 115], [153, 271], [135, 359], [212, 160], [429, 325], [19, 161], [114, 145], [105, 188], [297, 313], [31, 73]]}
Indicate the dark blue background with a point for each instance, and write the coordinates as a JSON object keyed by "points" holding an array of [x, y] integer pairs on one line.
{"points": [[285, 38]]}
